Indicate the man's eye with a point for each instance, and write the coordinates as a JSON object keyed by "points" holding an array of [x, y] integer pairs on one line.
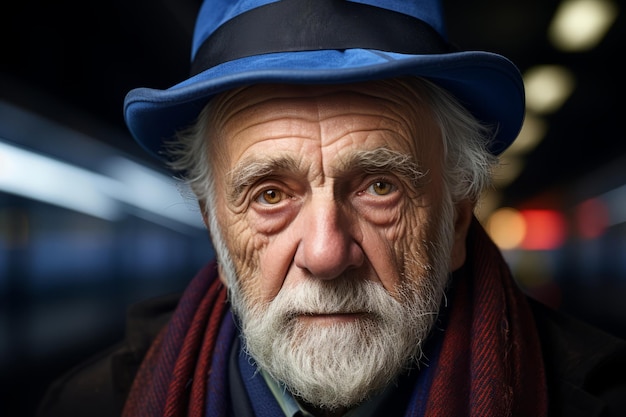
{"points": [[381, 188], [270, 196]]}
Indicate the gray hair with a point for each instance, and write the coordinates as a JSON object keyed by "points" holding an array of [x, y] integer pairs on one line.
{"points": [[468, 163]]}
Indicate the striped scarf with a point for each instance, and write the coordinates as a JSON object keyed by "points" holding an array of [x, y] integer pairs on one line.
{"points": [[489, 363]]}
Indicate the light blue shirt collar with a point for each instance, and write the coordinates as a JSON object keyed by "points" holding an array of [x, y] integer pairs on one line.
{"points": [[292, 408]]}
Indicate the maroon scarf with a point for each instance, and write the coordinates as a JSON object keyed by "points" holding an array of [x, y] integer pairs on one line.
{"points": [[490, 364]]}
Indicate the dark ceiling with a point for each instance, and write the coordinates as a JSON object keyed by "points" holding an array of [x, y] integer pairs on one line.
{"points": [[74, 61]]}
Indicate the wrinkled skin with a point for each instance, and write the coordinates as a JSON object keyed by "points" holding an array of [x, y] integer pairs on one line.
{"points": [[296, 200]]}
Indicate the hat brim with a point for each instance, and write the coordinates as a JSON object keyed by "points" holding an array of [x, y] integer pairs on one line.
{"points": [[487, 84]]}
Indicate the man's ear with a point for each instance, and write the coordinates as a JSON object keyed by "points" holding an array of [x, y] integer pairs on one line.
{"points": [[464, 211]]}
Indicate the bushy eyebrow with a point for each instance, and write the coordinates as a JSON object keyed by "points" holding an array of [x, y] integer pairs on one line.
{"points": [[384, 160], [250, 170], [373, 161]]}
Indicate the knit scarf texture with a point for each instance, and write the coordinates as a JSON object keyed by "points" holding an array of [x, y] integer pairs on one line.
{"points": [[489, 363]]}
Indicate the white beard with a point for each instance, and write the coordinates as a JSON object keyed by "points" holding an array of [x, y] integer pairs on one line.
{"points": [[338, 365], [343, 364]]}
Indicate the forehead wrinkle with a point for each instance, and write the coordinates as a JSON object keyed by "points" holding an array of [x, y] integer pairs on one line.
{"points": [[239, 105]]}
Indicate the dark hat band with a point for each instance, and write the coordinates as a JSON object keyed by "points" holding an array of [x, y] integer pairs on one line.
{"points": [[309, 25]]}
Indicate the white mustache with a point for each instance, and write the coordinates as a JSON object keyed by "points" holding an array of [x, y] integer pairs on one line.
{"points": [[317, 297]]}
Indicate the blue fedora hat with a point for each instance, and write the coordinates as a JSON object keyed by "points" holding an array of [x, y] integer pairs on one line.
{"points": [[245, 42]]}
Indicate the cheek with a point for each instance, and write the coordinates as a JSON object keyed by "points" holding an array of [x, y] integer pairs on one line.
{"points": [[238, 243], [261, 261], [404, 246]]}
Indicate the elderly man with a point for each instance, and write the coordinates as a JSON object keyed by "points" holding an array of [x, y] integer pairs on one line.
{"points": [[337, 150]]}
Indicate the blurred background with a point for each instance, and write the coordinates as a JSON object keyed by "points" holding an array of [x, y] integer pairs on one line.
{"points": [[90, 224]]}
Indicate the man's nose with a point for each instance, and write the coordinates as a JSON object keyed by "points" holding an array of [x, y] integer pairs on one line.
{"points": [[327, 245]]}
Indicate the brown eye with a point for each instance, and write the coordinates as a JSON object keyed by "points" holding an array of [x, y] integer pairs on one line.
{"points": [[381, 188], [270, 197]]}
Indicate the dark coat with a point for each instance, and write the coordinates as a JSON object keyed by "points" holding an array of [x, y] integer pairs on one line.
{"points": [[585, 367]]}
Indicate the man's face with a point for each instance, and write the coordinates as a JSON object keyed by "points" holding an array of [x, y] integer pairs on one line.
{"points": [[331, 206]]}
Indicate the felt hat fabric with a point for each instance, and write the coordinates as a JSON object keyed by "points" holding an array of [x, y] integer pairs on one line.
{"points": [[244, 42]]}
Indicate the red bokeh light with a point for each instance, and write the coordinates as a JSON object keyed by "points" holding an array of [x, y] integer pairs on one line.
{"points": [[545, 229]]}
